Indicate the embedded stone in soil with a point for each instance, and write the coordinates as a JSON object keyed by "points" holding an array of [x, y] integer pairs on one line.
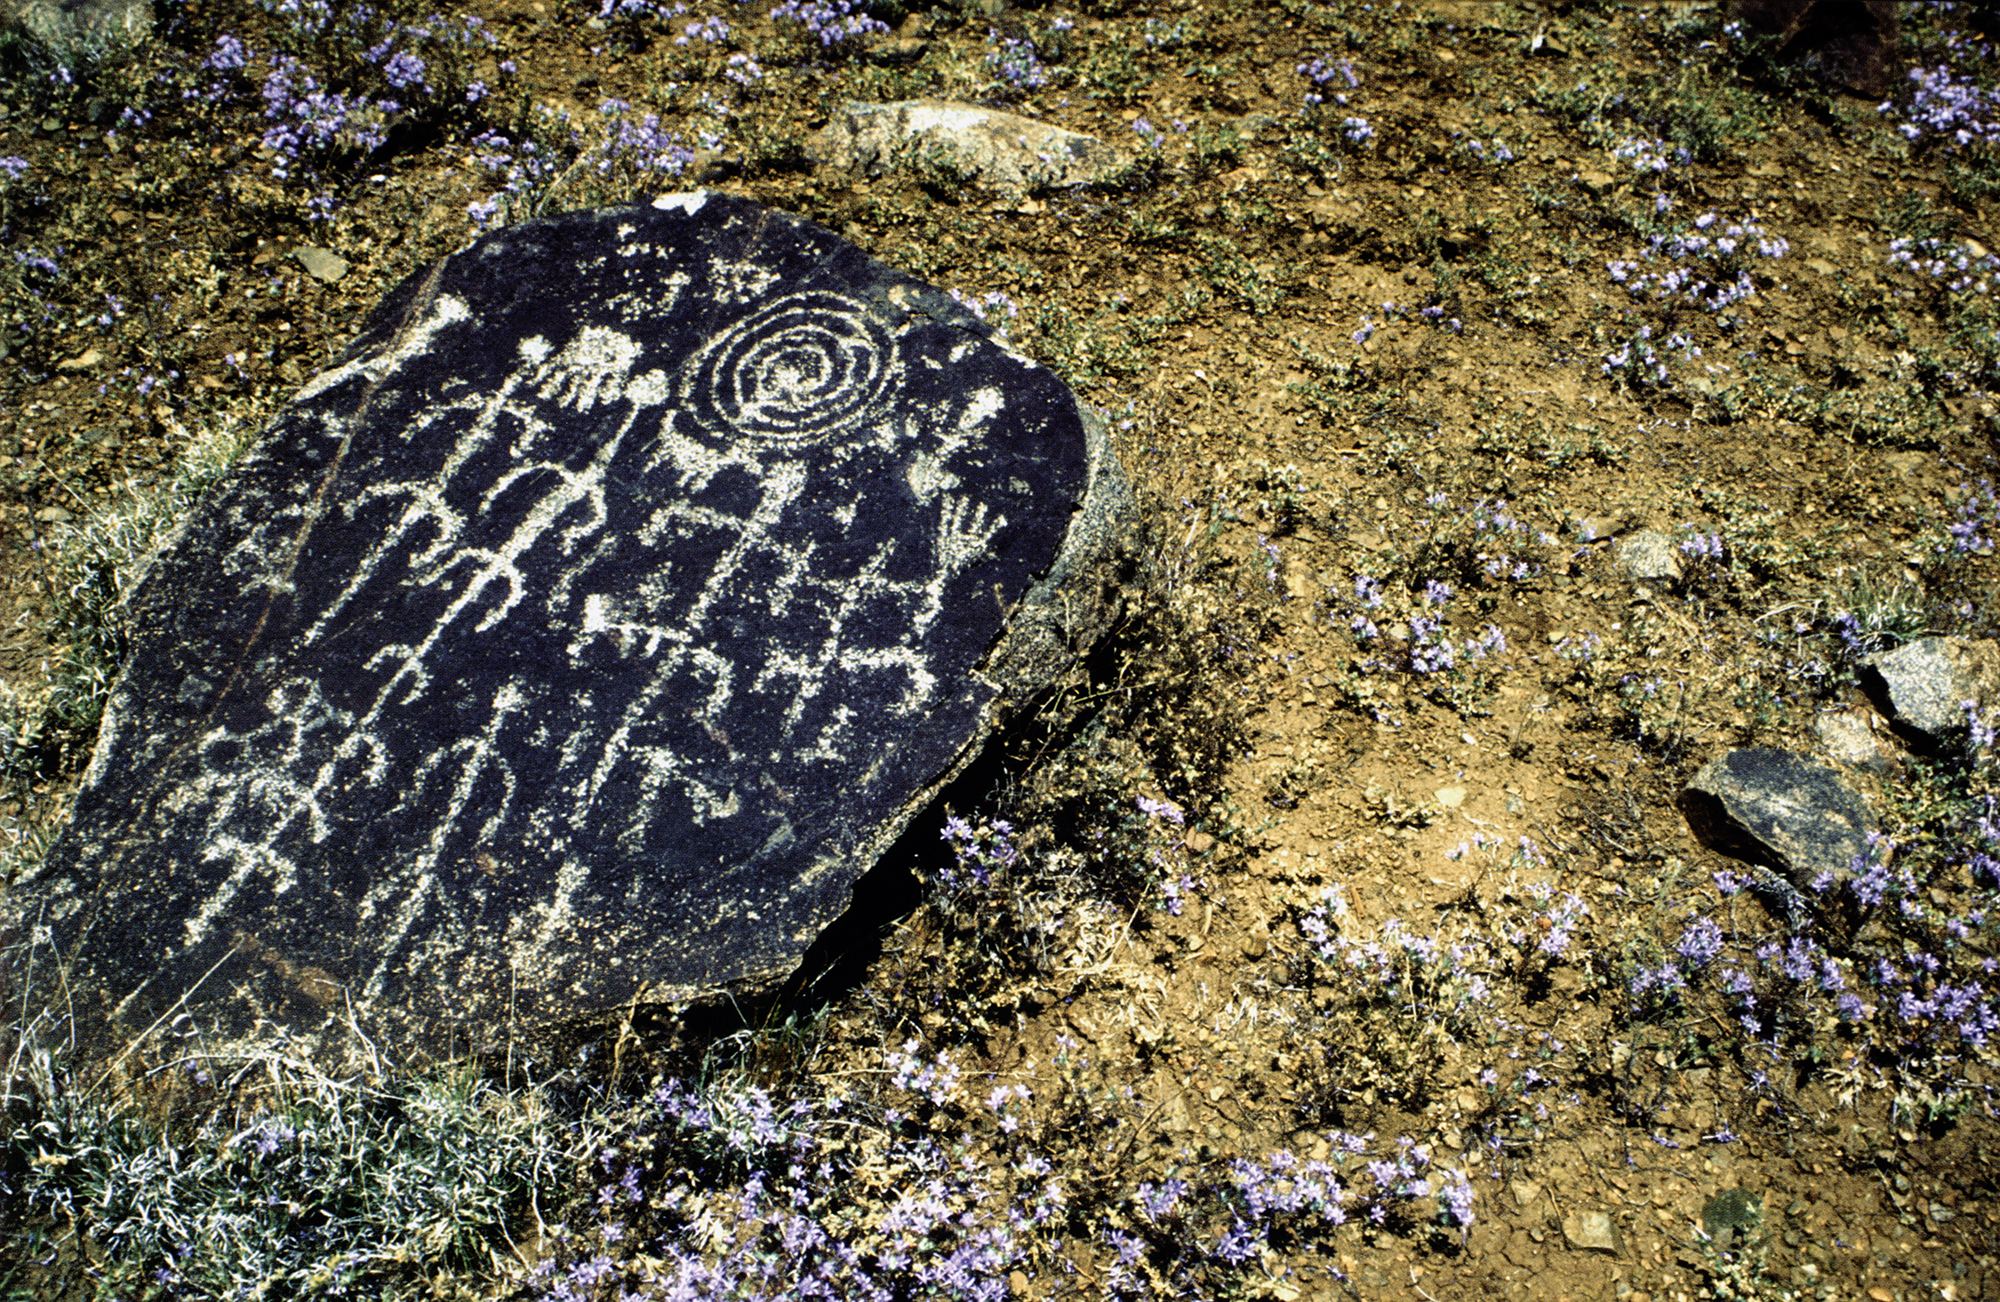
{"points": [[1003, 150], [1779, 809], [1926, 685]]}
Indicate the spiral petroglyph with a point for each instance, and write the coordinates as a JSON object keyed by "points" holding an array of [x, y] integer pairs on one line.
{"points": [[807, 367]]}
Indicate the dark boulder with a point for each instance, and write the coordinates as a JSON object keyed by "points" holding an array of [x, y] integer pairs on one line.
{"points": [[578, 640], [1851, 43], [1779, 810]]}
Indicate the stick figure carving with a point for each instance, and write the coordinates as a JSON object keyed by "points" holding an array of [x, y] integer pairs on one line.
{"points": [[586, 631]]}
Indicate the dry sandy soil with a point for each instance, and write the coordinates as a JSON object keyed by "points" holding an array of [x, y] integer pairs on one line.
{"points": [[1346, 364]]}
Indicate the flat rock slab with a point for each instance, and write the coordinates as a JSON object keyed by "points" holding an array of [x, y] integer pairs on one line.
{"points": [[580, 638], [1779, 809], [1002, 150]]}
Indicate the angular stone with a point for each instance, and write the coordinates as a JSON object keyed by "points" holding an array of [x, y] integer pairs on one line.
{"points": [[578, 639], [1924, 686], [1779, 809], [1650, 557], [322, 264], [1848, 738], [1591, 1232], [79, 34], [1002, 150]]}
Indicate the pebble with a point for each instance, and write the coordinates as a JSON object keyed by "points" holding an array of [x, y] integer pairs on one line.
{"points": [[322, 264], [1591, 1231], [1650, 557], [1258, 942]]}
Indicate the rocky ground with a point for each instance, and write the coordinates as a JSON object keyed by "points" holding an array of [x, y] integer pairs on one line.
{"points": [[1343, 935]]}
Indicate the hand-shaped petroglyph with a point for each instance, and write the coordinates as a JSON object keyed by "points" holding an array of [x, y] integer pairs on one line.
{"points": [[965, 528], [593, 367]]}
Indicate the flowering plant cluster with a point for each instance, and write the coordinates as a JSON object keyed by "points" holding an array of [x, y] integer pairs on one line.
{"points": [[1420, 642], [1014, 63], [1496, 151], [1956, 267], [1431, 315], [624, 149], [1481, 544], [1890, 961], [1437, 982], [639, 9], [1394, 1008], [1640, 365], [1159, 35], [1711, 265], [927, 1183], [1651, 156], [523, 169], [832, 24], [1403, 620], [639, 143], [1322, 76], [393, 72], [1978, 522], [1947, 110]]}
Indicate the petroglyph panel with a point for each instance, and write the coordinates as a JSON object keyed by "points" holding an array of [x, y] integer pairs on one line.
{"points": [[581, 636]]}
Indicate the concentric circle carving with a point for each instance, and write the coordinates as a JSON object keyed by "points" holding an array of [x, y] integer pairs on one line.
{"points": [[807, 367]]}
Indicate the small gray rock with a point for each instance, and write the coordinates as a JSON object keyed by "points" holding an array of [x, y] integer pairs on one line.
{"points": [[1733, 1213], [1650, 557], [999, 149], [1591, 1232], [1774, 807], [322, 264], [1848, 738], [1923, 686]]}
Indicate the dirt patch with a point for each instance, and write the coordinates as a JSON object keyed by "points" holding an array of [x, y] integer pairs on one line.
{"points": [[1408, 317]]}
